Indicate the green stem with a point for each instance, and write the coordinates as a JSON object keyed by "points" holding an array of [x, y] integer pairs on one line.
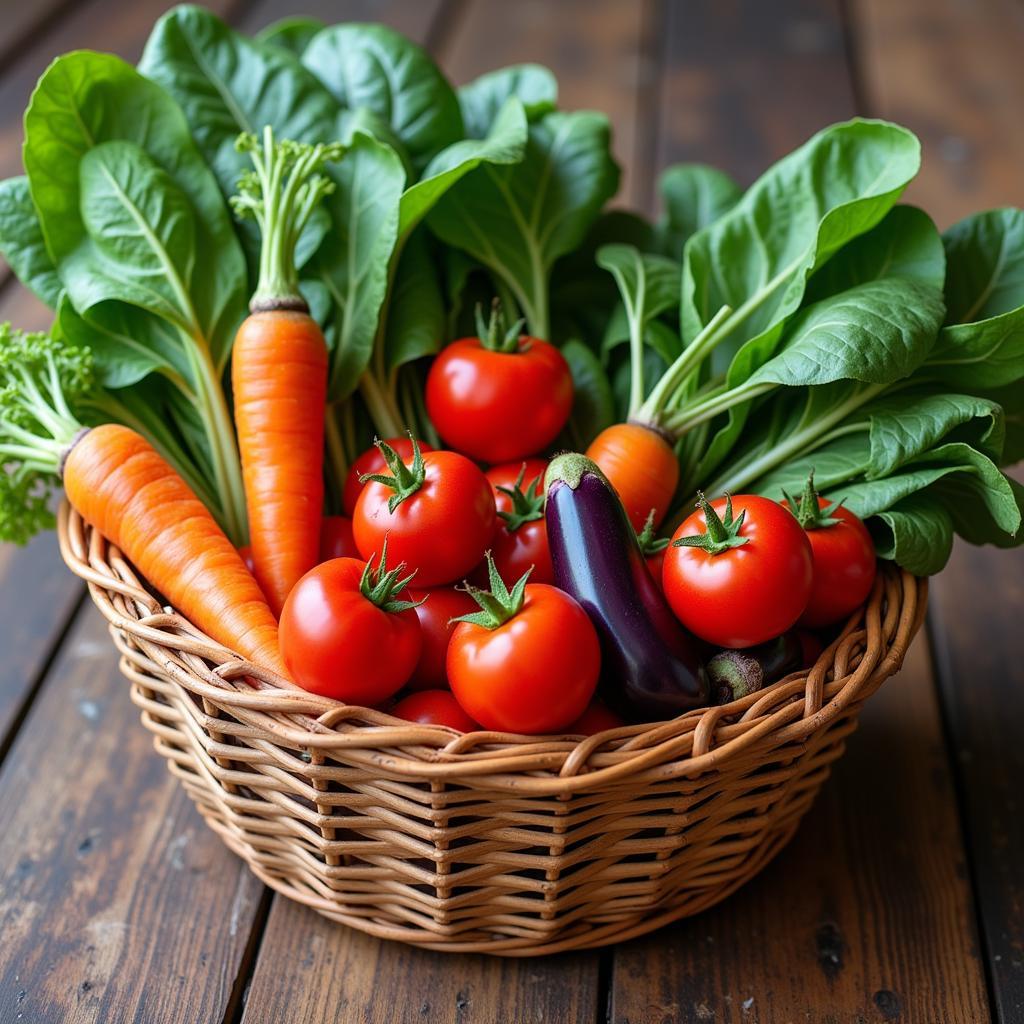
{"points": [[337, 459], [714, 332], [429, 431], [387, 419], [808, 439], [711, 407], [636, 343]]}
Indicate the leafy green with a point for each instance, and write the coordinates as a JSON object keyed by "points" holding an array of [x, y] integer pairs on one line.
{"points": [[694, 196], [482, 99], [517, 220], [22, 244], [593, 404], [416, 320], [292, 34]]}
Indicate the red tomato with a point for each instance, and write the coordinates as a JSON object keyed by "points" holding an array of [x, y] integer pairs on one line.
{"points": [[337, 539], [497, 406], [810, 647], [515, 551], [844, 567], [656, 564], [439, 607], [744, 594], [338, 643], [371, 461], [246, 552], [534, 673], [434, 707], [595, 719], [440, 530], [506, 473]]}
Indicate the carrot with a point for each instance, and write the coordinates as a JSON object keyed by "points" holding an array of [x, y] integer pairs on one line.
{"points": [[279, 369], [124, 488], [641, 466]]}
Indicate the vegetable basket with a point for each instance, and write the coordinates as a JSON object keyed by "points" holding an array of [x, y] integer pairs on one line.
{"points": [[488, 842]]}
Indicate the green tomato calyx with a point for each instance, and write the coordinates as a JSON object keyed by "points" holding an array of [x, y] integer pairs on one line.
{"points": [[809, 514], [404, 480], [381, 585], [493, 333], [723, 533], [650, 543], [499, 604], [527, 505]]}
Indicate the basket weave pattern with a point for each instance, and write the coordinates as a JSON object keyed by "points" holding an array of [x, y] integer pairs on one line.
{"points": [[488, 842]]}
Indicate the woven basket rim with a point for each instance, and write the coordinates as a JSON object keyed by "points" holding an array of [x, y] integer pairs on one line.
{"points": [[260, 704]]}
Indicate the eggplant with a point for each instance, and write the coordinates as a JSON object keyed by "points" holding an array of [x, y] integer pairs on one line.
{"points": [[650, 669], [737, 673]]}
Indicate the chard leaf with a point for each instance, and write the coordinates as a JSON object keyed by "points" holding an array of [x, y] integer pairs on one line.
{"points": [[351, 266], [22, 244], [904, 244], [876, 333], [482, 99], [593, 405], [694, 196], [292, 34], [518, 220], [85, 100], [916, 533], [416, 317], [504, 144], [376, 68]]}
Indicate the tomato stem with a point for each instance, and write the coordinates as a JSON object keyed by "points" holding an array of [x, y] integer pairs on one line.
{"points": [[527, 505], [809, 514], [494, 333], [499, 604], [722, 533], [404, 480], [379, 586]]}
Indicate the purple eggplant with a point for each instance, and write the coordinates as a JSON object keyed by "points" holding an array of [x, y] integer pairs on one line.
{"points": [[650, 667], [740, 672]]}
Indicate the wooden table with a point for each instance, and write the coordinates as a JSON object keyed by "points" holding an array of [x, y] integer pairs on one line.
{"points": [[901, 899]]}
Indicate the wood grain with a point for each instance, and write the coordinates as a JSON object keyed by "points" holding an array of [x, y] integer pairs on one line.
{"points": [[116, 902], [413, 19], [601, 53], [951, 72]]}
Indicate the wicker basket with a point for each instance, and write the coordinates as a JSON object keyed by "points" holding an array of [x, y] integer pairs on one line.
{"points": [[488, 842]]}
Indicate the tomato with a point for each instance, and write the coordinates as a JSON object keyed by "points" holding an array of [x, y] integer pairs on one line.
{"points": [[499, 398], [595, 719], [442, 524], [246, 552], [641, 466], [348, 632], [434, 707], [844, 563], [371, 461], [810, 647], [534, 672], [754, 582], [505, 474], [337, 539], [652, 547], [439, 607]]}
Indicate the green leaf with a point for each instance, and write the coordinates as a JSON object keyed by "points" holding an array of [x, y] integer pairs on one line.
{"points": [[377, 68], [694, 196], [227, 84], [593, 407], [351, 265], [482, 99], [85, 100], [518, 220], [875, 333], [22, 244], [416, 318], [504, 144], [985, 254], [915, 533], [291, 34], [904, 244]]}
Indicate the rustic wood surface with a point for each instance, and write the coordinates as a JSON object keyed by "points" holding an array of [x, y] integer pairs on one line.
{"points": [[902, 897]]}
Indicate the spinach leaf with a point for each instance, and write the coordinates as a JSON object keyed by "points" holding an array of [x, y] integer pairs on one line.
{"points": [[482, 99], [694, 196], [292, 34], [518, 220], [377, 68], [416, 322], [593, 405], [22, 244], [915, 533]]}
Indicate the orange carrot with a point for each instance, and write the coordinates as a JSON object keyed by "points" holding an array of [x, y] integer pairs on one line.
{"points": [[641, 466], [279, 370], [122, 487]]}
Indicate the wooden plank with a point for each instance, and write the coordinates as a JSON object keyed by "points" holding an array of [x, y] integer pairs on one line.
{"points": [[340, 976], [865, 916], [868, 915], [744, 82], [950, 71], [953, 75], [22, 22], [600, 51], [116, 902], [414, 19]]}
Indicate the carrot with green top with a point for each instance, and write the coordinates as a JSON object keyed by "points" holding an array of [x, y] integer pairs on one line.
{"points": [[279, 368], [122, 487]]}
